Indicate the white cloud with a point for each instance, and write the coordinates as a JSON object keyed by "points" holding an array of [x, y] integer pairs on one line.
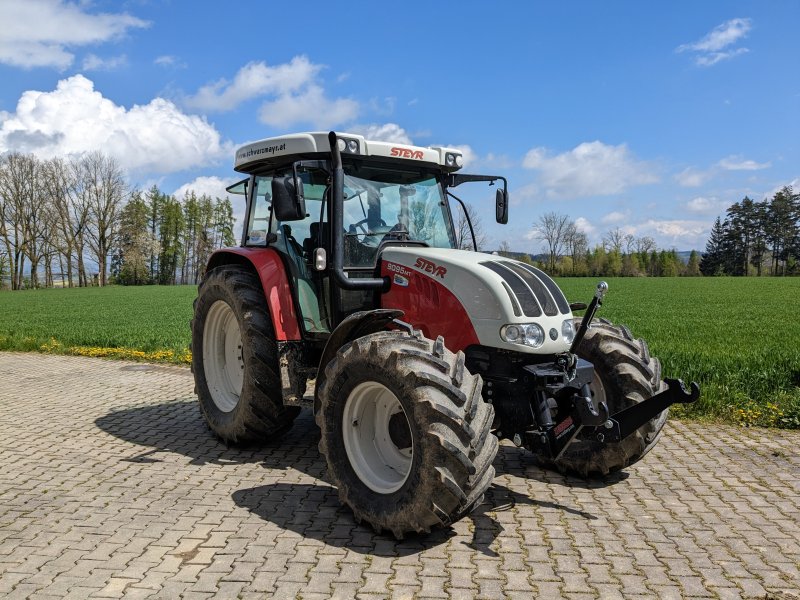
{"points": [[254, 80], [311, 107], [522, 195], [675, 230], [711, 49], [737, 163], [214, 187], [712, 58], [39, 33], [590, 169], [292, 91], [75, 118], [691, 177], [704, 205], [498, 161], [385, 132], [92, 62], [682, 234], [169, 61], [583, 224], [615, 217]]}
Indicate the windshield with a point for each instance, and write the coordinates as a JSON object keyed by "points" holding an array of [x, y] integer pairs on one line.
{"points": [[384, 205]]}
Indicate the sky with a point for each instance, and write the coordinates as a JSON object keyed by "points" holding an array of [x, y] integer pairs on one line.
{"points": [[651, 117]]}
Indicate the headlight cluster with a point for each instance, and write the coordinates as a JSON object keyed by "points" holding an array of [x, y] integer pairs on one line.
{"points": [[532, 334], [347, 145], [453, 160], [526, 334]]}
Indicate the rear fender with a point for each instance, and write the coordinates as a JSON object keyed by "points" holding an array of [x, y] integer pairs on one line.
{"points": [[271, 271]]}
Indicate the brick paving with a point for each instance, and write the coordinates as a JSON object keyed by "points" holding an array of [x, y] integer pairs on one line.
{"points": [[111, 486]]}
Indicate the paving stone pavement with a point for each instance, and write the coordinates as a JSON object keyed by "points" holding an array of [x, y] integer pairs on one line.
{"points": [[111, 486]]}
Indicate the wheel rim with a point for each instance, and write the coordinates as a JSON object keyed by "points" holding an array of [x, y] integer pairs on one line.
{"points": [[598, 390], [376, 459], [222, 356]]}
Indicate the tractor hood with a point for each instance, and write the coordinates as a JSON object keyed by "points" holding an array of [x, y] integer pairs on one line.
{"points": [[480, 292]]}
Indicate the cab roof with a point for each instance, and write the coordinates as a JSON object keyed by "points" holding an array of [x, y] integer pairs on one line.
{"points": [[281, 150]]}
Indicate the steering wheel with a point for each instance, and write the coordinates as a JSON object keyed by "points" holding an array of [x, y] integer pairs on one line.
{"points": [[362, 224]]}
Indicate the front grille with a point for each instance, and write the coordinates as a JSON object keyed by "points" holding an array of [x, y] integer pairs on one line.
{"points": [[527, 301], [534, 290]]}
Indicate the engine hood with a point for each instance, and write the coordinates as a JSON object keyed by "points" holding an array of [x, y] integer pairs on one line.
{"points": [[494, 292]]}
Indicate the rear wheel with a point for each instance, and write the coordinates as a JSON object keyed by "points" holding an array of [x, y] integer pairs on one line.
{"points": [[405, 432], [235, 359], [624, 374]]}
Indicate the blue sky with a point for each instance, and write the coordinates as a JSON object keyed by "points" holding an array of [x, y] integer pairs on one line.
{"points": [[650, 117]]}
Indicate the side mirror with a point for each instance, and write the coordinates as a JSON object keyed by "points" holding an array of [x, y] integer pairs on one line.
{"points": [[501, 206], [288, 200]]}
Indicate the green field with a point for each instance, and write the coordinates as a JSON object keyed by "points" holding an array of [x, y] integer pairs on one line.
{"points": [[738, 337], [150, 319]]}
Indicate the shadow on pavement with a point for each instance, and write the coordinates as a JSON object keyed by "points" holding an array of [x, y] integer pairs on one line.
{"points": [[313, 510]]}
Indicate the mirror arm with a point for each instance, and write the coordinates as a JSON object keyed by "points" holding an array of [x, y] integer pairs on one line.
{"points": [[466, 216]]}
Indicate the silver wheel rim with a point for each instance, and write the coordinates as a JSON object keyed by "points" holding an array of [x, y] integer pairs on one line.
{"points": [[376, 460], [222, 356], [598, 390]]}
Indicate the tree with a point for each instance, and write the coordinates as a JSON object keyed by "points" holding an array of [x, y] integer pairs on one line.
{"points": [[693, 266], [463, 235], [171, 228], [614, 240], [4, 270], [552, 228], [104, 189], [782, 228], [713, 259], [136, 243], [505, 249], [24, 226], [154, 200], [577, 243]]}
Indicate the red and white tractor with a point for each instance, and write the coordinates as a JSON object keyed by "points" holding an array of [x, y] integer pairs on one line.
{"points": [[348, 296]]}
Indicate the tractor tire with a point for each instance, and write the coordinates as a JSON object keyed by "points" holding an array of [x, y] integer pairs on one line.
{"points": [[405, 432], [624, 375], [235, 359]]}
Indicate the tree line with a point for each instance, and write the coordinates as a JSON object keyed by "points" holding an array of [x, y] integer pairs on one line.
{"points": [[77, 222], [756, 238], [567, 253]]}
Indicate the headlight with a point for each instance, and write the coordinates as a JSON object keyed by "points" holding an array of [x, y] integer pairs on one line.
{"points": [[347, 145], [568, 331], [453, 160], [526, 334]]}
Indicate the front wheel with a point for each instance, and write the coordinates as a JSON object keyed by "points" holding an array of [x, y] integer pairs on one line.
{"points": [[624, 374], [405, 432]]}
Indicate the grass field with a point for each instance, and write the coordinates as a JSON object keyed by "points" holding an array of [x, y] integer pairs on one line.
{"points": [[739, 338], [149, 323]]}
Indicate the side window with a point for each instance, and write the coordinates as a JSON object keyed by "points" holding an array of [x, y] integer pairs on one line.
{"points": [[258, 224]]}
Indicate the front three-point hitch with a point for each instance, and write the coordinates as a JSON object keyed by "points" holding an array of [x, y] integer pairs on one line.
{"points": [[586, 419]]}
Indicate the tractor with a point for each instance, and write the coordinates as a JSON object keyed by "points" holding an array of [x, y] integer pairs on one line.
{"points": [[350, 296]]}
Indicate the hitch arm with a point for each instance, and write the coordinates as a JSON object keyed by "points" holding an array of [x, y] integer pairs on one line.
{"points": [[597, 302], [626, 421]]}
